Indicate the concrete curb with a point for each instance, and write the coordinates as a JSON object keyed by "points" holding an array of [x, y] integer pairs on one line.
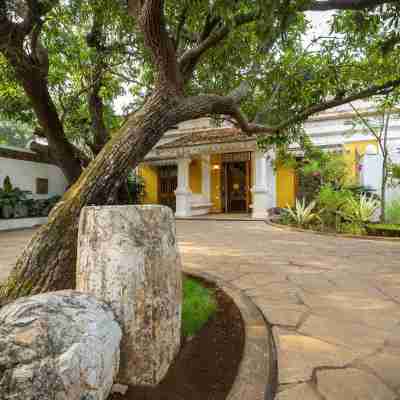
{"points": [[336, 235], [258, 372]]}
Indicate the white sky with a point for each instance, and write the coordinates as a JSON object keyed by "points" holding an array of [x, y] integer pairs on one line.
{"points": [[319, 27]]}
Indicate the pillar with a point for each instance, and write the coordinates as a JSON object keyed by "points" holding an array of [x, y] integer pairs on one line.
{"points": [[206, 177], [183, 192], [260, 188]]}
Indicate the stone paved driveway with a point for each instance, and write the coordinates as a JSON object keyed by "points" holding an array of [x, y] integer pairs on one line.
{"points": [[334, 304]]}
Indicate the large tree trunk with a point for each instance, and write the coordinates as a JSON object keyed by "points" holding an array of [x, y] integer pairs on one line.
{"points": [[48, 262], [33, 78]]}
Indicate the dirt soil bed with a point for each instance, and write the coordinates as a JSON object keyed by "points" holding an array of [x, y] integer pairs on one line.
{"points": [[207, 365]]}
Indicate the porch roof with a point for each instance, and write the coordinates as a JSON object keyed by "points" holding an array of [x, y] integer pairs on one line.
{"points": [[207, 136]]}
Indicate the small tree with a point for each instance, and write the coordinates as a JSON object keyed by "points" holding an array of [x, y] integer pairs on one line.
{"points": [[378, 127]]}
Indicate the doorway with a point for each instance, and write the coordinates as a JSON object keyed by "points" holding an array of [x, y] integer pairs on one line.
{"points": [[236, 179], [167, 184]]}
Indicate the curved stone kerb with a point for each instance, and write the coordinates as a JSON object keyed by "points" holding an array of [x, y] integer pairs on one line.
{"points": [[257, 375]]}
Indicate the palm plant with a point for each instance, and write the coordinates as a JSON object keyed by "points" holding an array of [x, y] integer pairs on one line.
{"points": [[303, 215]]}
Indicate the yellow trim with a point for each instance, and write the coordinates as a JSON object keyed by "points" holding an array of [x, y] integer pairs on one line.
{"points": [[150, 176], [285, 186], [195, 176], [215, 161], [351, 151]]}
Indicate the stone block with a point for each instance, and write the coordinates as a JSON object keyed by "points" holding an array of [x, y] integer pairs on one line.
{"points": [[128, 256]]}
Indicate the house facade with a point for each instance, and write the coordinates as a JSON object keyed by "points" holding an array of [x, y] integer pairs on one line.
{"points": [[199, 169]]}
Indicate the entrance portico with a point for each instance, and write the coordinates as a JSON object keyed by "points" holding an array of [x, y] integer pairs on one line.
{"points": [[218, 174]]}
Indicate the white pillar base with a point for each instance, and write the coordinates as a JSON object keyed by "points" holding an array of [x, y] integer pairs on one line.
{"points": [[260, 201], [183, 203], [183, 193]]}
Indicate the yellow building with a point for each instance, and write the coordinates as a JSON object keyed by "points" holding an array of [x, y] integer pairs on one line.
{"points": [[199, 169]]}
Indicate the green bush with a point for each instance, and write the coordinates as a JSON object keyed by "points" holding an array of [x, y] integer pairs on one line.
{"points": [[331, 201], [199, 305], [393, 212], [390, 230]]}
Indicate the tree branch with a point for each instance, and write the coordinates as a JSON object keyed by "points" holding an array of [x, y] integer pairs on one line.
{"points": [[152, 24], [210, 38], [200, 106]]}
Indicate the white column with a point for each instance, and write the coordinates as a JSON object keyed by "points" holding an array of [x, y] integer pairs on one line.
{"points": [[271, 180], [206, 177], [371, 169], [260, 188], [183, 192]]}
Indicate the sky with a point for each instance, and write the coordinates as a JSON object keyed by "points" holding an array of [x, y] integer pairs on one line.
{"points": [[319, 27]]}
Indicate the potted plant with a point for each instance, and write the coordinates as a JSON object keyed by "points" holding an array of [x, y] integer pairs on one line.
{"points": [[12, 200]]}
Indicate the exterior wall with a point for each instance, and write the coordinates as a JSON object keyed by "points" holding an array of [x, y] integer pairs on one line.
{"points": [[195, 176], [150, 176], [216, 182], [23, 174], [285, 186], [351, 150]]}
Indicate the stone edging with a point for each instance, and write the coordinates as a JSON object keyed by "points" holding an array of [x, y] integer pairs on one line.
{"points": [[258, 372], [337, 235]]}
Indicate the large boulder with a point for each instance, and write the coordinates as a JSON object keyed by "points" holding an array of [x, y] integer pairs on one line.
{"points": [[128, 256], [59, 346]]}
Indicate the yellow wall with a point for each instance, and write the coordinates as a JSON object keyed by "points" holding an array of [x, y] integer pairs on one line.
{"points": [[215, 160], [150, 176], [350, 155], [195, 176], [285, 186]]}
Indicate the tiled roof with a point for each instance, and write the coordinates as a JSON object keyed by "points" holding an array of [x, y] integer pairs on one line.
{"points": [[208, 136]]}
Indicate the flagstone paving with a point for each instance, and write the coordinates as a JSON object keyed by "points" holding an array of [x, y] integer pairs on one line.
{"points": [[333, 303]]}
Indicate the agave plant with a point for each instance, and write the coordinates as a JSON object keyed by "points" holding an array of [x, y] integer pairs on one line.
{"points": [[359, 211], [303, 215]]}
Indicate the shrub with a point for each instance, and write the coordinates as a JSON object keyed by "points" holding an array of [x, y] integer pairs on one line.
{"points": [[303, 215], [331, 202], [391, 230], [393, 212]]}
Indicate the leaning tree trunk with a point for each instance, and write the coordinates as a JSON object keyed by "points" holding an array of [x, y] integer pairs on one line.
{"points": [[48, 262]]}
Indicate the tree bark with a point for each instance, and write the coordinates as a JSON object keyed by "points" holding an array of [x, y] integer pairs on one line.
{"points": [[34, 82], [48, 262]]}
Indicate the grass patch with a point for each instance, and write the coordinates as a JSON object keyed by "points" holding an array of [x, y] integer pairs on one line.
{"points": [[199, 305]]}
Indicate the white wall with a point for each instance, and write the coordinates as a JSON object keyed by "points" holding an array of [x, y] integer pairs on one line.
{"points": [[23, 175]]}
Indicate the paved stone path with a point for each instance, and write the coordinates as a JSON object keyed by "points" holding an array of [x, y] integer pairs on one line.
{"points": [[334, 304]]}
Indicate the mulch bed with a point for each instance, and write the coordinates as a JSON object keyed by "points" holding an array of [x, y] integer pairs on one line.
{"points": [[207, 365]]}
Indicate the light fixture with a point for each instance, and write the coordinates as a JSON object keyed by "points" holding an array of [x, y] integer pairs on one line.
{"points": [[216, 167]]}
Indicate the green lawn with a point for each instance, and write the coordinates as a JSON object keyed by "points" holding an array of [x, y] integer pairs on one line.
{"points": [[199, 305]]}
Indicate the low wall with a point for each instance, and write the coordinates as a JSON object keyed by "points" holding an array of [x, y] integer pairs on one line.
{"points": [[24, 167], [21, 223]]}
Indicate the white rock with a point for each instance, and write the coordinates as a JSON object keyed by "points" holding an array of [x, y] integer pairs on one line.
{"points": [[60, 345], [128, 256]]}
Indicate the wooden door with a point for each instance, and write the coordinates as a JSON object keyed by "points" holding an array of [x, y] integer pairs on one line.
{"points": [[167, 184], [237, 196]]}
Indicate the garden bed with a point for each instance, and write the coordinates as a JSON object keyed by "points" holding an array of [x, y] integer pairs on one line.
{"points": [[370, 235], [207, 364]]}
